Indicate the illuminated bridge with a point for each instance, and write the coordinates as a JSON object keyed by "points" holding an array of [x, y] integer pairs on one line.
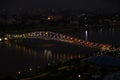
{"points": [[47, 35]]}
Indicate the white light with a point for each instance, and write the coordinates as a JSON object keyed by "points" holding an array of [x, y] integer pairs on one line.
{"points": [[5, 38], [86, 35], [0, 39], [49, 64], [30, 69], [19, 72], [79, 76], [86, 25]]}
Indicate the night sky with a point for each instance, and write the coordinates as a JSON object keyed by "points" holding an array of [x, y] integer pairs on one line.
{"points": [[99, 5]]}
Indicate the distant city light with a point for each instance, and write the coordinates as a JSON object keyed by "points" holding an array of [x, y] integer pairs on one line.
{"points": [[86, 25], [49, 64], [5, 38], [19, 72], [49, 18], [79, 76], [86, 35], [30, 69], [38, 67], [0, 39]]}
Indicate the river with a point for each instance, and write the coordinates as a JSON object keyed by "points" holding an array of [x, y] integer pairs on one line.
{"points": [[21, 56]]}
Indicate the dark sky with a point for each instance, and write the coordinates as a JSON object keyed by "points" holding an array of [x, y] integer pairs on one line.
{"points": [[102, 5]]}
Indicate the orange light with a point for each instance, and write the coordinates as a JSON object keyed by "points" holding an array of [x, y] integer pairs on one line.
{"points": [[49, 18], [46, 33]]}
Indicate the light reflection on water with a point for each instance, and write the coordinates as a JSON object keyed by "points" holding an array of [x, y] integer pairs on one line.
{"points": [[47, 54], [20, 56], [86, 35], [26, 56]]}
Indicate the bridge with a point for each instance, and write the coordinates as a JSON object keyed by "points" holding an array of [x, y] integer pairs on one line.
{"points": [[47, 35]]}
